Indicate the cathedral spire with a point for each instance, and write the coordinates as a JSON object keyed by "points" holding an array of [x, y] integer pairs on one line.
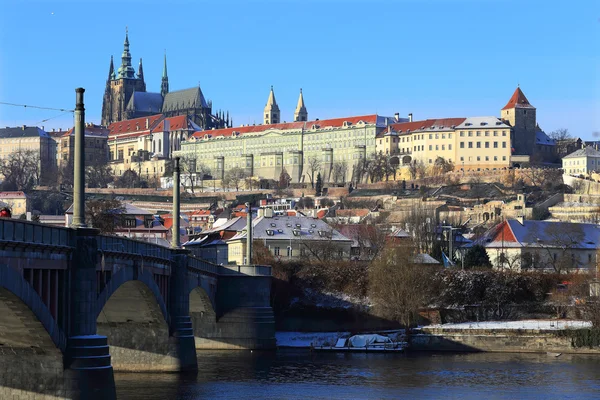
{"points": [[301, 114], [111, 70], [164, 86], [140, 71], [126, 70], [271, 109]]}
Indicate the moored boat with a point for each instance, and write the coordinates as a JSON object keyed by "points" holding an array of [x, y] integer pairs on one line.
{"points": [[365, 343]]}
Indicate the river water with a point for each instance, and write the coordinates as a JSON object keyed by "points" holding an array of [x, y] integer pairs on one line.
{"points": [[301, 374]]}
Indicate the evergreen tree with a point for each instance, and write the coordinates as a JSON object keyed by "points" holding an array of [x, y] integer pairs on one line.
{"points": [[318, 185], [477, 257]]}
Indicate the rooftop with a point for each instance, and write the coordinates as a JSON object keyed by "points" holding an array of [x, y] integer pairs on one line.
{"points": [[585, 152]]}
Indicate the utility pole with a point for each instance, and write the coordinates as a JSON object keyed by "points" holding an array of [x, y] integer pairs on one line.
{"points": [[79, 163], [249, 235], [175, 227]]}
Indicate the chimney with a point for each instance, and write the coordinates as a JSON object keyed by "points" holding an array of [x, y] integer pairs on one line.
{"points": [[260, 212], [268, 213], [147, 123], [23, 127], [520, 219], [397, 117], [410, 117]]}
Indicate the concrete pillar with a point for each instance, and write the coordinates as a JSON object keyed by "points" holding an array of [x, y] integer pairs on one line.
{"points": [[79, 162], [87, 361], [249, 235], [176, 212], [180, 324]]}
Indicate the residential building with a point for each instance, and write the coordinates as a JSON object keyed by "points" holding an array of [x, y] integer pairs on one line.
{"points": [[31, 138], [521, 245], [125, 97], [96, 145], [211, 245], [582, 162], [16, 201], [291, 237]]}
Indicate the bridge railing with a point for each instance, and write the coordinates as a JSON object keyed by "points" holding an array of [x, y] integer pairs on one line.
{"points": [[117, 244], [14, 230], [198, 264], [251, 270]]}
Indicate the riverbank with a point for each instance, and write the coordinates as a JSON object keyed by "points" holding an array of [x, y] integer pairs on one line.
{"points": [[530, 336]]}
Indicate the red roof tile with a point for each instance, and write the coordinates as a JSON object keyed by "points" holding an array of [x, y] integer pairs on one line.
{"points": [[352, 212], [518, 100], [336, 122], [134, 125], [175, 123]]}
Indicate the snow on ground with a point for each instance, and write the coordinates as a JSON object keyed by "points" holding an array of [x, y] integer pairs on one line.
{"points": [[525, 324], [305, 339]]}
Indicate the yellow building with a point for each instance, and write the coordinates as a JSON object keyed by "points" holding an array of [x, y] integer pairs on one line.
{"points": [[17, 201], [96, 147]]}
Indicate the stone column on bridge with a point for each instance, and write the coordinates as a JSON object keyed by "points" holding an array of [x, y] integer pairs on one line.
{"points": [[87, 360]]}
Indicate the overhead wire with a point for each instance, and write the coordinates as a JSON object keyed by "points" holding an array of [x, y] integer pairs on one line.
{"points": [[38, 107]]}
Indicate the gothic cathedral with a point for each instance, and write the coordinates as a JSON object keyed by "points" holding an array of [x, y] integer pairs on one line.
{"points": [[125, 97]]}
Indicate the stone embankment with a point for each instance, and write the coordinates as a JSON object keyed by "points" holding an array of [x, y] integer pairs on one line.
{"points": [[529, 337]]}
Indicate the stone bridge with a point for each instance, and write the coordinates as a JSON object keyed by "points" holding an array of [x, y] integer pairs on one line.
{"points": [[75, 305]]}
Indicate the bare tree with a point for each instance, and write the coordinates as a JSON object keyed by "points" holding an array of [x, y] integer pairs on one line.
{"points": [[234, 177], [560, 134], [105, 215], [398, 287], [421, 224], [417, 169], [188, 170], [558, 243], [442, 166], [21, 170], [98, 174], [313, 165], [338, 171]]}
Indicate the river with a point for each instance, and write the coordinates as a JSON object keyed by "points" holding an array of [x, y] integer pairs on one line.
{"points": [[301, 374]]}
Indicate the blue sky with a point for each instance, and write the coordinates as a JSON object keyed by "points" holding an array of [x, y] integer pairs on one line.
{"points": [[434, 58]]}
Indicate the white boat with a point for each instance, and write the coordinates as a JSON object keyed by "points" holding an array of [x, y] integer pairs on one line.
{"points": [[368, 343]]}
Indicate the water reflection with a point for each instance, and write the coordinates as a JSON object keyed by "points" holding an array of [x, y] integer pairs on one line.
{"points": [[300, 374]]}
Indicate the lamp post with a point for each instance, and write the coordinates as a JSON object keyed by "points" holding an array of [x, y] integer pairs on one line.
{"points": [[79, 162]]}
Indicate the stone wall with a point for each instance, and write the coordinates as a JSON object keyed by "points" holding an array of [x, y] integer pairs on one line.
{"points": [[137, 332], [495, 340]]}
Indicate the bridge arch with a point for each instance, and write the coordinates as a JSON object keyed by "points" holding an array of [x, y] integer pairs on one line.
{"points": [[125, 275], [13, 287], [132, 314]]}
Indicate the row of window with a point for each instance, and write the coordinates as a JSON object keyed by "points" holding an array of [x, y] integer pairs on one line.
{"points": [[479, 133], [478, 145], [487, 158]]}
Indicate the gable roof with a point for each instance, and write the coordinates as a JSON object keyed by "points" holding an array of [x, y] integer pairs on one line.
{"points": [[186, 98], [283, 227], [518, 100], [22, 131], [134, 125], [512, 233], [426, 124], [180, 122], [145, 102], [587, 151]]}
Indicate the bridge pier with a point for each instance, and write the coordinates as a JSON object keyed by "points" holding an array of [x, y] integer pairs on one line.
{"points": [[87, 359]]}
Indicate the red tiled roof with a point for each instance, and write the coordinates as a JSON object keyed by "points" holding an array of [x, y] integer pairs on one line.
{"points": [[175, 123], [11, 195], [403, 127], [200, 212], [90, 130], [321, 213], [336, 122], [517, 100], [133, 125], [505, 234]]}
